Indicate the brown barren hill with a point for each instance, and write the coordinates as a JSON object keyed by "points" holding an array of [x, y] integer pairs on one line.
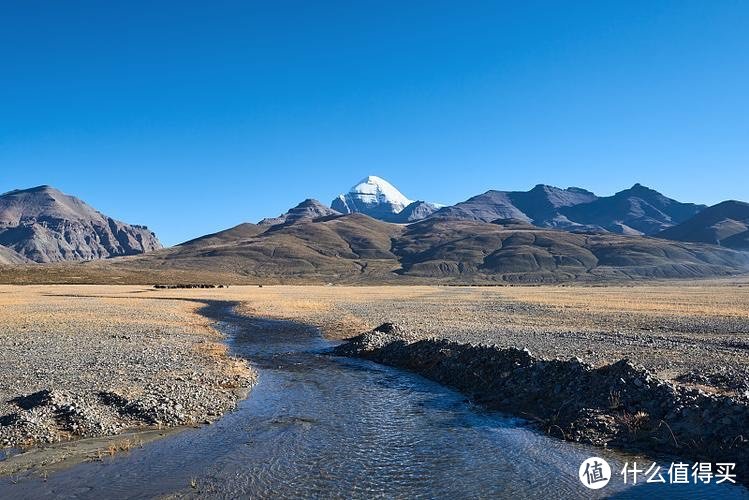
{"points": [[356, 248], [725, 224]]}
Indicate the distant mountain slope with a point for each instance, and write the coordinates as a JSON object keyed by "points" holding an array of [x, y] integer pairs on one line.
{"points": [[329, 249], [637, 210], [357, 248], [521, 253], [540, 206], [8, 256], [232, 235], [543, 204], [417, 210], [725, 224], [484, 208], [45, 225], [307, 210]]}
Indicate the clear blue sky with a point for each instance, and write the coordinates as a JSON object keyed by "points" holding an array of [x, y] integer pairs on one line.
{"points": [[191, 117]]}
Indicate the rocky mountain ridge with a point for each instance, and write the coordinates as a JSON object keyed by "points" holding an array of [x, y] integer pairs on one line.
{"points": [[635, 211], [43, 224]]}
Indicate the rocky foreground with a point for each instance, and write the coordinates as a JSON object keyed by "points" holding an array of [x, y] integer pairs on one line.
{"points": [[619, 405], [75, 366]]}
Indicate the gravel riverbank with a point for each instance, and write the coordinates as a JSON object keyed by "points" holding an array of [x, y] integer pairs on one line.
{"points": [[618, 405], [74, 365]]}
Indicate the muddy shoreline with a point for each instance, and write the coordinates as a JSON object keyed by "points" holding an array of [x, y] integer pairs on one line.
{"points": [[620, 405]]}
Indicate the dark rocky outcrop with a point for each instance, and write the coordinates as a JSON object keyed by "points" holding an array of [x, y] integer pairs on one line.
{"points": [[45, 225], [618, 405]]}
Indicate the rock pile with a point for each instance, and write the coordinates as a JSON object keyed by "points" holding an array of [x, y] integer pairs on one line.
{"points": [[619, 405], [49, 416]]}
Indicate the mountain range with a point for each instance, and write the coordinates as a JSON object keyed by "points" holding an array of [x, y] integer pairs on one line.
{"points": [[42, 224], [635, 211], [374, 233], [356, 248]]}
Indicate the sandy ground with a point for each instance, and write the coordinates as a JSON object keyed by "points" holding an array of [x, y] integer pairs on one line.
{"points": [[152, 347]]}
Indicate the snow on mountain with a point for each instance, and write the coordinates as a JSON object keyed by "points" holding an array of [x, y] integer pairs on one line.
{"points": [[373, 196], [375, 189]]}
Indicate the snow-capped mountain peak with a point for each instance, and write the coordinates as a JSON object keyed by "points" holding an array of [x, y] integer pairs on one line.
{"points": [[373, 189], [376, 197]]}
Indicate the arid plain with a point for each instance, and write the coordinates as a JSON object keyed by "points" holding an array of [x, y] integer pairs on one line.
{"points": [[94, 360]]}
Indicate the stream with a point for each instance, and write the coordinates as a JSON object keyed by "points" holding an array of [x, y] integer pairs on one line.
{"points": [[316, 426]]}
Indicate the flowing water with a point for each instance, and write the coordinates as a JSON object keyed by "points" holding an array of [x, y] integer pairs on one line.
{"points": [[322, 426]]}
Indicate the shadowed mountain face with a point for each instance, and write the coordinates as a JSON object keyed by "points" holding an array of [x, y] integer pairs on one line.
{"points": [[516, 252], [638, 210], [485, 207], [725, 224], [634, 211], [541, 206], [357, 248], [45, 225]]}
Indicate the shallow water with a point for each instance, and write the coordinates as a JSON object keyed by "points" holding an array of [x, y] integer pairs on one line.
{"points": [[321, 426]]}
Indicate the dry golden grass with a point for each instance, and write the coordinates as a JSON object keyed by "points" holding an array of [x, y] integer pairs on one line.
{"points": [[333, 307], [726, 301], [667, 326]]}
